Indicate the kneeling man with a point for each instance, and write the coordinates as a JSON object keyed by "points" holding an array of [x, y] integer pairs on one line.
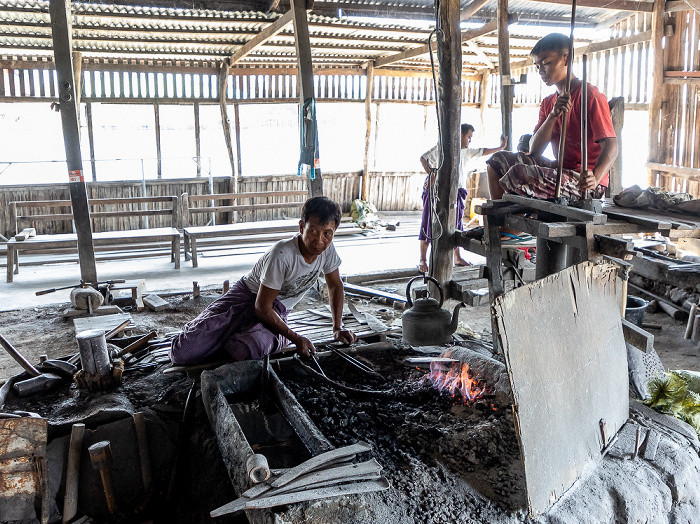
{"points": [[249, 321]]}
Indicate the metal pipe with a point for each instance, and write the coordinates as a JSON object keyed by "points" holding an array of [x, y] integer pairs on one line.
{"points": [[564, 117], [584, 121]]}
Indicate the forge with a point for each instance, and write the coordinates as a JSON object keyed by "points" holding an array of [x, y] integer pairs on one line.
{"points": [[442, 451]]}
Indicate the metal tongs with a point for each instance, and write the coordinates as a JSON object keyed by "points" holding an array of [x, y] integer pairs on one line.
{"points": [[354, 362]]}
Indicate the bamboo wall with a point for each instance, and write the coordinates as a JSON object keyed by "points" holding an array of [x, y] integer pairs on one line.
{"points": [[675, 161], [394, 192]]}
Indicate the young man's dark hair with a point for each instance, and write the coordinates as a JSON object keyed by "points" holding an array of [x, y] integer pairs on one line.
{"points": [[556, 42], [322, 208], [466, 128]]}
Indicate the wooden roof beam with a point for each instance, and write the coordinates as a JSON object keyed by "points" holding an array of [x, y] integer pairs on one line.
{"points": [[619, 5], [424, 49], [478, 52], [472, 9], [682, 5], [263, 36]]}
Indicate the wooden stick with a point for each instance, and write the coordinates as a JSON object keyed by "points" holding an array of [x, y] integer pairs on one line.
{"points": [[565, 116], [70, 498], [584, 121], [691, 321]]}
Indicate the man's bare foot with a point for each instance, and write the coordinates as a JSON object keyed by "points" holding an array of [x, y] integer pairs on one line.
{"points": [[423, 266], [459, 261]]}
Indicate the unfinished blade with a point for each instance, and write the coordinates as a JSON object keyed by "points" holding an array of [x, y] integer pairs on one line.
{"points": [[375, 324], [356, 313], [318, 460], [301, 496]]}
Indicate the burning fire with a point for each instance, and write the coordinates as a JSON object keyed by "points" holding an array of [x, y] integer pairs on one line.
{"points": [[455, 379]]}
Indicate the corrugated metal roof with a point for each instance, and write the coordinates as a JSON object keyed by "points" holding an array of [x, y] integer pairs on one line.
{"points": [[109, 30]]}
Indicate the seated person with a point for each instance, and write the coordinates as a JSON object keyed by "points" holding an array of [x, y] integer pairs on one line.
{"points": [[248, 322], [534, 176]]}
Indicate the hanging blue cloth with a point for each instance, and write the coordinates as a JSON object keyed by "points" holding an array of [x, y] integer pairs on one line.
{"points": [[308, 138]]}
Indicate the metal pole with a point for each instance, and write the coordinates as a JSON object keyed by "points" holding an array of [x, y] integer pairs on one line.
{"points": [[584, 120], [61, 30], [565, 116]]}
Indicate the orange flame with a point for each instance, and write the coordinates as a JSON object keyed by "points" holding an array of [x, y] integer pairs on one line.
{"points": [[455, 379]]}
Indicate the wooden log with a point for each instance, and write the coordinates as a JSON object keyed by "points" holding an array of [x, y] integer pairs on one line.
{"points": [[70, 497], [691, 321]]}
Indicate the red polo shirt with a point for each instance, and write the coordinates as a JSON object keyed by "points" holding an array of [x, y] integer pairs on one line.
{"points": [[599, 127]]}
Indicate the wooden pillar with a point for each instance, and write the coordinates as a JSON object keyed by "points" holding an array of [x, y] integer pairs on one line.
{"points": [[78, 76], [197, 141], [61, 32], [91, 140], [223, 81], [306, 79], [237, 127], [156, 115], [657, 34], [483, 96], [368, 130], [504, 69], [450, 108]]}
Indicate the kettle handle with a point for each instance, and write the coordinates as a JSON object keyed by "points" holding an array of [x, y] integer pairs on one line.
{"points": [[434, 281]]}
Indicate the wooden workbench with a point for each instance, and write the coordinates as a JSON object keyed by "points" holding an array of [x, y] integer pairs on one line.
{"points": [[567, 235]]}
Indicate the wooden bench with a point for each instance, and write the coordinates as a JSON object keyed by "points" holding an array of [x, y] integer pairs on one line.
{"points": [[193, 233], [134, 238]]}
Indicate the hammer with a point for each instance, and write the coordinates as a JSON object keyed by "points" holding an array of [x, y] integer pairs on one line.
{"points": [[38, 382], [101, 458]]}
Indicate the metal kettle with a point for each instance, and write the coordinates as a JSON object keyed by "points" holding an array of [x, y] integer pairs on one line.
{"points": [[425, 323]]}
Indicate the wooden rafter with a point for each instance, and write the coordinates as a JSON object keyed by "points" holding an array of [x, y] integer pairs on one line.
{"points": [[478, 52], [263, 36], [472, 9], [682, 5], [424, 49], [618, 5]]}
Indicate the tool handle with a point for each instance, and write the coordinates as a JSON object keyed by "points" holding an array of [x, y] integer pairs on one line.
{"points": [[19, 358], [45, 291]]}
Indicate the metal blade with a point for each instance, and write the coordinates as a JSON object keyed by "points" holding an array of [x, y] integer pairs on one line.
{"points": [[356, 313], [375, 324]]}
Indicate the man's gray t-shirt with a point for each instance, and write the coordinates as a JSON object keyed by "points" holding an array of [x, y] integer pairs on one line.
{"points": [[283, 268]]}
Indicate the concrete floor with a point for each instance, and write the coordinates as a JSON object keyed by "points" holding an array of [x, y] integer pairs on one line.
{"points": [[377, 251]]}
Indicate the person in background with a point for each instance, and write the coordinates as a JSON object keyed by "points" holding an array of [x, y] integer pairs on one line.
{"points": [[249, 321], [430, 160]]}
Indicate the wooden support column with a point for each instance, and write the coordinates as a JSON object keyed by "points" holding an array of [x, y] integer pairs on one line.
{"points": [[223, 82], [197, 141], [237, 128], [91, 140], [159, 164], [78, 76], [61, 30], [484, 95], [306, 77], [504, 69], [657, 75], [368, 131], [450, 109]]}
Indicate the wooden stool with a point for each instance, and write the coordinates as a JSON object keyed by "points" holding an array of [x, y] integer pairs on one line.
{"points": [[137, 288]]}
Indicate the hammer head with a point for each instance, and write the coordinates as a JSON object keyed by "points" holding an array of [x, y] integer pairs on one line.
{"points": [[43, 382], [100, 455], [59, 367]]}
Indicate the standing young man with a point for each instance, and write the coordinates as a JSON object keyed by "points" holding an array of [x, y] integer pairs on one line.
{"points": [[534, 176], [249, 321], [431, 160]]}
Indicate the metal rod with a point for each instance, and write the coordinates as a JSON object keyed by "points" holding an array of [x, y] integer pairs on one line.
{"points": [[564, 117], [584, 121], [352, 361], [313, 357]]}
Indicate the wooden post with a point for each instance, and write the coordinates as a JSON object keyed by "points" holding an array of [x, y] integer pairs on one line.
{"points": [[504, 69], [156, 114], [368, 130], [91, 140], [197, 141], [483, 95], [237, 128], [78, 76], [657, 34], [223, 81], [61, 29], [450, 107], [306, 75]]}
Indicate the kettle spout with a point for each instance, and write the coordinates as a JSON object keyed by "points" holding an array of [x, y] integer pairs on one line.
{"points": [[455, 317]]}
